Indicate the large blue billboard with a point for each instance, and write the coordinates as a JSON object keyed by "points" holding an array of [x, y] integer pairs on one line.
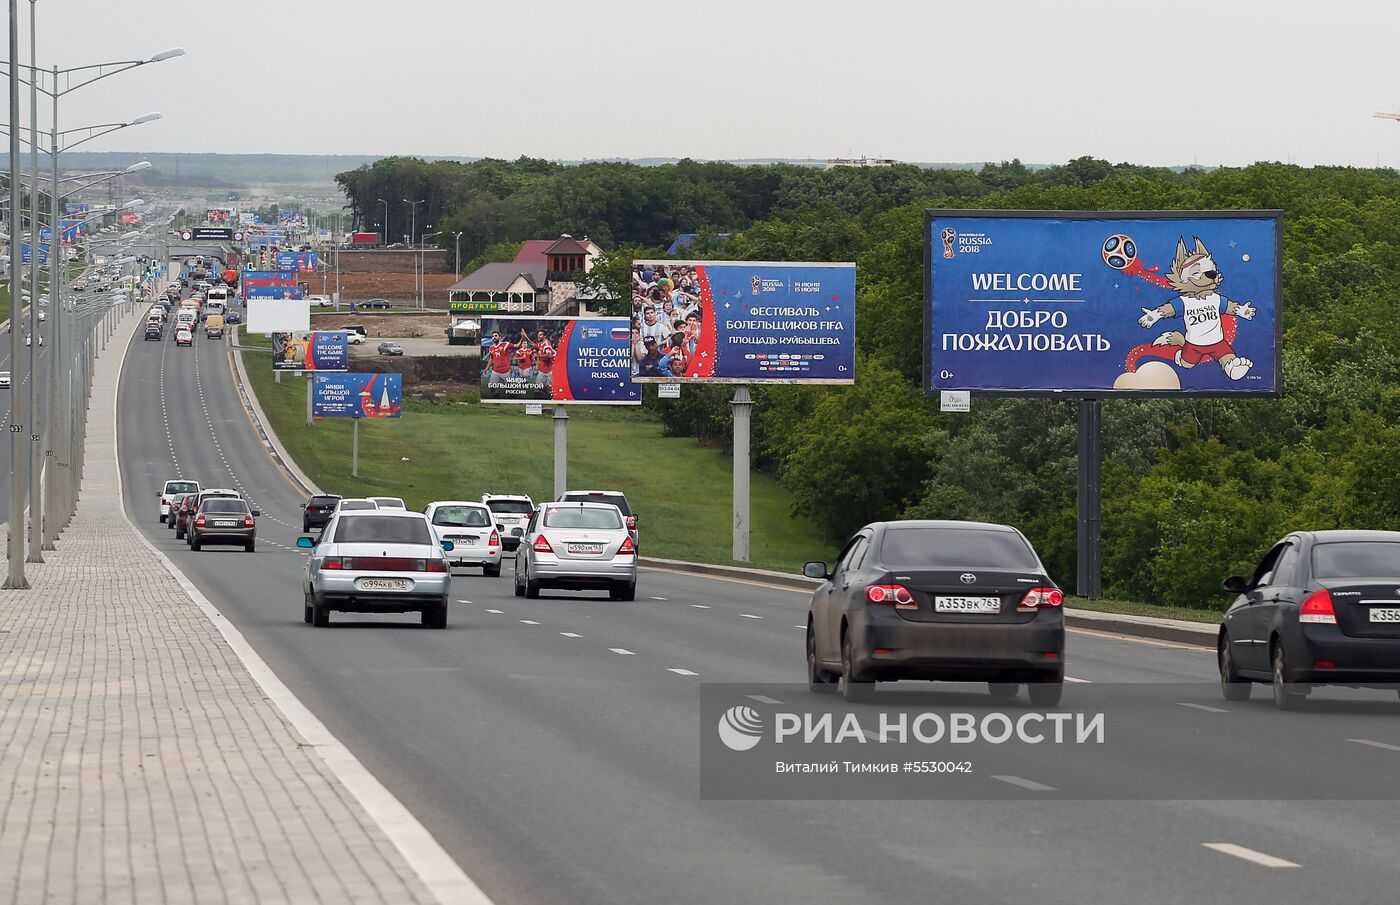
{"points": [[356, 395], [297, 261], [743, 322], [1099, 304], [557, 359], [255, 291], [319, 350], [24, 254]]}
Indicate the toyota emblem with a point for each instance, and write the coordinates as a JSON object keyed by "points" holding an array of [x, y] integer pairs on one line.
{"points": [[967, 578]]}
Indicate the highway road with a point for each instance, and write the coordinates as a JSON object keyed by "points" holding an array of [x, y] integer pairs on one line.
{"points": [[552, 745]]}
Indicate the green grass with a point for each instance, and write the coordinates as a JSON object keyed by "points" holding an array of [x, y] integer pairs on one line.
{"points": [[1132, 608], [680, 491]]}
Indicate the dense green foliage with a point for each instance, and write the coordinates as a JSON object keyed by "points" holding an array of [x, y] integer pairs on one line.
{"points": [[1194, 489]]}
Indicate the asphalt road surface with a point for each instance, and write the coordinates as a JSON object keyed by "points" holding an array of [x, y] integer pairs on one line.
{"points": [[552, 745]]}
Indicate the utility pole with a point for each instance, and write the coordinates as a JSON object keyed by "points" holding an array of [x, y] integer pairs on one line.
{"points": [[15, 578]]}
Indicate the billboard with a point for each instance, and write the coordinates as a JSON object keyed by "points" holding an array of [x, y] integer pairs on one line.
{"points": [[24, 254], [278, 315], [217, 215], [76, 207], [128, 219], [297, 261], [561, 359], [1180, 303], [743, 322], [320, 350], [281, 290], [210, 234], [356, 395]]}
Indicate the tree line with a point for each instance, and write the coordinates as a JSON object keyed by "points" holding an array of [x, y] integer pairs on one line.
{"points": [[1194, 489]]}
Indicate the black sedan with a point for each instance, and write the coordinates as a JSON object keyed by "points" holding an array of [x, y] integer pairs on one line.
{"points": [[1322, 608], [317, 511], [936, 600]]}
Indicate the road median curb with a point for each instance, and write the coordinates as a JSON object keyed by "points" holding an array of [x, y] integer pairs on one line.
{"points": [[1175, 630]]}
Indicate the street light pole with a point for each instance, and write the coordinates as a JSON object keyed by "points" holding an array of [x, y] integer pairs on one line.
{"points": [[36, 447], [457, 257], [15, 578], [384, 238]]}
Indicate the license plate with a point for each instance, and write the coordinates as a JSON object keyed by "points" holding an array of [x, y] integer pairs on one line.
{"points": [[383, 584], [967, 604], [224, 524], [585, 549], [463, 540], [1385, 614]]}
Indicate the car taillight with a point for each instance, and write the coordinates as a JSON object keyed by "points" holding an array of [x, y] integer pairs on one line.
{"points": [[332, 563], [199, 522], [896, 594], [1036, 598], [628, 548], [495, 540], [435, 565], [541, 545], [1317, 609], [247, 521], [631, 522]]}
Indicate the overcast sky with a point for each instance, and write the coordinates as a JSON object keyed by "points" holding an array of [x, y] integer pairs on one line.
{"points": [[1222, 82]]}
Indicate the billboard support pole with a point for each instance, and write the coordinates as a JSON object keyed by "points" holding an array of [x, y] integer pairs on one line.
{"points": [[561, 451], [1090, 562], [355, 450], [310, 379], [277, 376], [743, 414]]}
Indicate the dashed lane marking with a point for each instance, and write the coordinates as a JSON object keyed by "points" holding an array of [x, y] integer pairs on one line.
{"points": [[750, 616], [682, 672], [1384, 746], [622, 651], [571, 634], [1203, 707], [528, 622], [762, 699], [1027, 784], [1248, 854], [497, 612]]}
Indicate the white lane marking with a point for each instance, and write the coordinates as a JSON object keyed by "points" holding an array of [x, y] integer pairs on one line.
{"points": [[1206, 707], [497, 612], [1248, 854], [763, 699], [1382, 745], [1073, 679], [528, 622], [800, 626], [622, 651], [660, 598], [682, 672], [434, 867], [750, 616], [464, 601], [1024, 783], [571, 634], [700, 606]]}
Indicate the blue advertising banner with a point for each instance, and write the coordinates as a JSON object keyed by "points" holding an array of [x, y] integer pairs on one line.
{"points": [[297, 261], [319, 350], [356, 395], [1096, 304], [560, 359], [78, 207], [24, 254], [743, 322], [255, 291]]}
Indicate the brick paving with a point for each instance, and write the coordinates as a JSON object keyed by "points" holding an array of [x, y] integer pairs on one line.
{"points": [[139, 760]]}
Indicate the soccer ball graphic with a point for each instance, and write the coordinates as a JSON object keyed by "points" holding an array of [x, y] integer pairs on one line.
{"points": [[1119, 251]]}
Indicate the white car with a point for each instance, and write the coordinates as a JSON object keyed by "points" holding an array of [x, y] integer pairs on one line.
{"points": [[171, 488], [512, 512], [4, 380], [388, 502], [353, 338], [470, 528]]}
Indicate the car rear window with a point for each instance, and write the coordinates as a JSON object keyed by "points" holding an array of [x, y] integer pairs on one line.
{"points": [[322, 500], [223, 504], [462, 516], [511, 507], [955, 548], [1356, 559], [616, 499], [388, 502], [181, 486], [580, 517], [348, 505], [365, 529]]}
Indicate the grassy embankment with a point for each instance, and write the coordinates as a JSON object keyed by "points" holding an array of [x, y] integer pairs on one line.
{"points": [[680, 490]]}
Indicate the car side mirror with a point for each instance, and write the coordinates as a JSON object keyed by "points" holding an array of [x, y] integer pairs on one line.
{"points": [[257, 513], [306, 542], [1234, 585], [815, 569], [448, 546]]}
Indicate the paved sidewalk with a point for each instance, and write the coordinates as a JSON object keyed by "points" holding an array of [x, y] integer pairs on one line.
{"points": [[139, 760]]}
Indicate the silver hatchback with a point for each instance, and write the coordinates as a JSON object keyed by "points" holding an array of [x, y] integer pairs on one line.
{"points": [[577, 546], [376, 561]]}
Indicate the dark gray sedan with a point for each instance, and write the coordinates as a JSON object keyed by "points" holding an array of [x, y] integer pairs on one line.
{"points": [[936, 600], [388, 348], [224, 520]]}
